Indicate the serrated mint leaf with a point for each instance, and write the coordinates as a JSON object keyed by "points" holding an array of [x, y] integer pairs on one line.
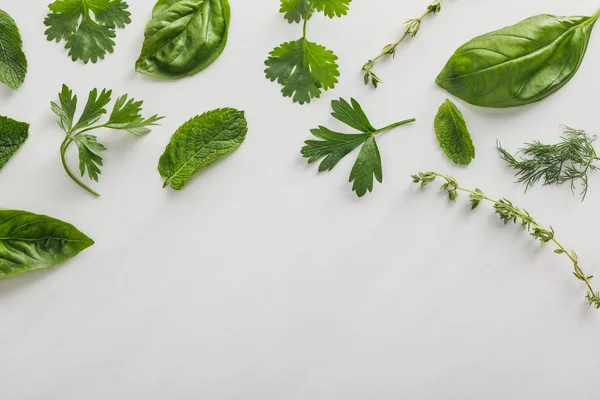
{"points": [[295, 10], [87, 26], [13, 64], [303, 68], [200, 142], [29, 242], [452, 134], [12, 136]]}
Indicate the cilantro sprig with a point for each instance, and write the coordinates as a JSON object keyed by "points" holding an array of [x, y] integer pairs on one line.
{"points": [[125, 116], [334, 146], [302, 67], [87, 38]]}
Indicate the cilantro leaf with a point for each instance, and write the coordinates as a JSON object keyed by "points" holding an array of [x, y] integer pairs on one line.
{"points": [[303, 68], [87, 39], [332, 8], [126, 116], [13, 64], [295, 10], [12, 136], [88, 155], [334, 146], [453, 135]]}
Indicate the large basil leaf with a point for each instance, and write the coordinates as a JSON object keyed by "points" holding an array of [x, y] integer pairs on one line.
{"points": [[520, 64], [29, 242], [183, 37]]}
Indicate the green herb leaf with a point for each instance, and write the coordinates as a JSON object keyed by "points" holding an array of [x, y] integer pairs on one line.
{"points": [[29, 242], [87, 39], [520, 64], [200, 142], [295, 10], [334, 146], [452, 134], [332, 8], [303, 68], [13, 64], [12, 136], [125, 116], [183, 37]]}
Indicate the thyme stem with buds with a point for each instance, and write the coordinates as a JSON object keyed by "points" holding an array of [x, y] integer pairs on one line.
{"points": [[411, 29], [510, 213]]}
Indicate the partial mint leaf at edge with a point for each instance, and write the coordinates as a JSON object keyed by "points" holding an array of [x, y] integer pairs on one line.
{"points": [[12, 136], [453, 135], [13, 64]]}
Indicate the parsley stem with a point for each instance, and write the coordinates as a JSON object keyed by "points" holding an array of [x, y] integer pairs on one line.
{"points": [[392, 126], [63, 150]]}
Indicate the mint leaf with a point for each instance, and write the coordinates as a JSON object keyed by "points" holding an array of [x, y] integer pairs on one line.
{"points": [[89, 159], [126, 116], [200, 142], [332, 8], [29, 242], [13, 64], [12, 136], [87, 39], [303, 68], [334, 146], [452, 134], [295, 10]]}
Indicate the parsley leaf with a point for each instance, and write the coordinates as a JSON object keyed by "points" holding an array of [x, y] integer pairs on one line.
{"points": [[334, 146], [87, 38], [295, 10], [126, 116], [332, 8], [12, 136], [453, 135], [13, 64], [303, 68]]}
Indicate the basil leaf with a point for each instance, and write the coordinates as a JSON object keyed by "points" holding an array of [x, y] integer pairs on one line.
{"points": [[12, 136], [183, 37], [520, 64], [13, 64], [452, 134], [200, 142], [29, 242]]}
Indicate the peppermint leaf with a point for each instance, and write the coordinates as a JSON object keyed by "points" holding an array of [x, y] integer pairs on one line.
{"points": [[87, 38], [12, 136], [452, 134], [200, 142], [303, 68], [13, 64]]}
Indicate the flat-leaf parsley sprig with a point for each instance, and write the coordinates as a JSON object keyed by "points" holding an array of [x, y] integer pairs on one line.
{"points": [[302, 67], [509, 213], [125, 116], [335, 146], [411, 28], [567, 161]]}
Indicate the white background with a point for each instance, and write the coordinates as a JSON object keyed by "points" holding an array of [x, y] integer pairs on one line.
{"points": [[266, 280]]}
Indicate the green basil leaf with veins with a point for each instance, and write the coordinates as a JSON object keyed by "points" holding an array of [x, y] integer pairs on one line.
{"points": [[183, 37], [520, 64], [200, 142], [13, 64], [29, 242], [12, 136], [453, 135]]}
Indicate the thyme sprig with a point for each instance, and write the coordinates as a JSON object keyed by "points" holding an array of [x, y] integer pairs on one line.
{"points": [[567, 161], [509, 213], [411, 28]]}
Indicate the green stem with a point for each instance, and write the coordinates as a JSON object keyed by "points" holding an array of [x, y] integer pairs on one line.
{"points": [[63, 150], [394, 125], [306, 20]]}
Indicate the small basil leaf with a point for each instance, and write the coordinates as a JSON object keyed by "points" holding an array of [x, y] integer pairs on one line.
{"points": [[183, 37], [520, 64], [29, 242]]}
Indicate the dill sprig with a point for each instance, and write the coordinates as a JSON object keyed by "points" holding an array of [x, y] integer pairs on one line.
{"points": [[509, 213], [567, 161], [411, 28]]}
